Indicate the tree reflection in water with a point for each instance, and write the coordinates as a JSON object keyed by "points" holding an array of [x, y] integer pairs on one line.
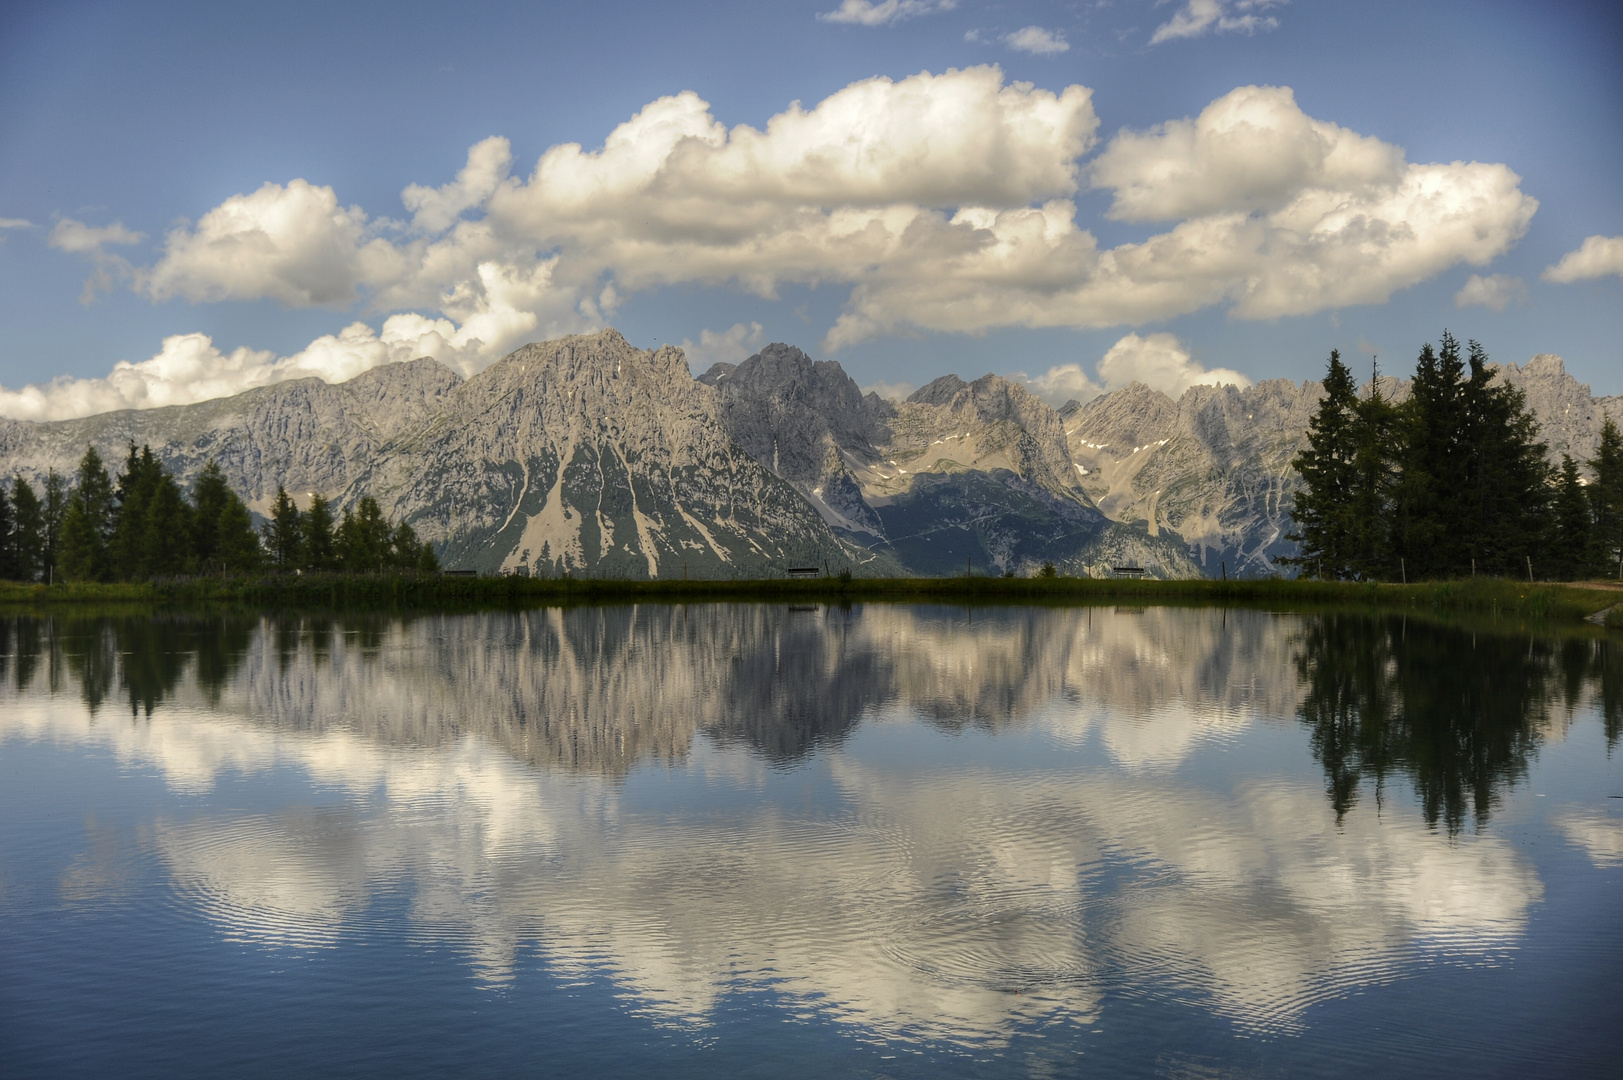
{"points": [[1457, 711]]}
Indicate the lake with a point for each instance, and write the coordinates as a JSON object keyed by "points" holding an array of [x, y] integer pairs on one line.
{"points": [[757, 840]]}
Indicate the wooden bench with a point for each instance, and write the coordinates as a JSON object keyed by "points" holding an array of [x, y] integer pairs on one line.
{"points": [[805, 571], [1128, 571]]}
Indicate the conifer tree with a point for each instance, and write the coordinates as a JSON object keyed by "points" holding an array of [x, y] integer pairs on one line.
{"points": [[210, 494], [1328, 467], [364, 538], [1374, 483], [54, 511], [10, 563], [1606, 501], [319, 550], [29, 526], [87, 524], [1505, 514], [282, 539], [1433, 478], [1570, 553], [238, 550]]}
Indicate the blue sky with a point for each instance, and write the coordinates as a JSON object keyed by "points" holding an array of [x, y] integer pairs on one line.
{"points": [[134, 138]]}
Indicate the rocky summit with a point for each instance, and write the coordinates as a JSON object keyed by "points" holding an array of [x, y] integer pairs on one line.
{"points": [[589, 456]]}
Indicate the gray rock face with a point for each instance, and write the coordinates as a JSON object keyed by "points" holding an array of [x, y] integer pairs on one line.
{"points": [[1570, 417], [961, 475], [1212, 467], [583, 455], [312, 436]]}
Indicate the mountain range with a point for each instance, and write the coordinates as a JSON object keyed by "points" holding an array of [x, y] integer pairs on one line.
{"points": [[589, 456]]}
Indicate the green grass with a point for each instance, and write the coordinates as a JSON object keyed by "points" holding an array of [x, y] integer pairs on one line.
{"points": [[1539, 602]]}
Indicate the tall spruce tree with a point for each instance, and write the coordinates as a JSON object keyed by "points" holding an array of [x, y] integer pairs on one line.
{"points": [[365, 540], [238, 550], [87, 524], [1329, 469], [1433, 472], [29, 516], [1505, 521], [282, 532], [320, 550], [1570, 551], [1606, 501], [1374, 485], [210, 494], [54, 511], [10, 560]]}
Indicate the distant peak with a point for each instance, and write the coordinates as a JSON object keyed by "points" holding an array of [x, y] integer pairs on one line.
{"points": [[938, 391]]}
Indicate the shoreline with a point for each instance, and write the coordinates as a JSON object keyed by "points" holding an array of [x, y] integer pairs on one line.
{"points": [[1557, 602]]}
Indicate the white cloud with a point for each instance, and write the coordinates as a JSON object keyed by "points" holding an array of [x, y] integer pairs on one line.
{"points": [[1252, 149], [293, 244], [891, 391], [864, 13], [1161, 362], [731, 346], [14, 223], [1061, 383], [190, 368], [81, 239], [1496, 292], [436, 209], [1597, 257], [1199, 17], [1037, 41], [942, 202]]}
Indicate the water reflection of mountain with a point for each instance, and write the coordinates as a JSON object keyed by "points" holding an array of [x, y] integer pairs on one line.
{"points": [[954, 900], [1457, 712], [597, 690]]}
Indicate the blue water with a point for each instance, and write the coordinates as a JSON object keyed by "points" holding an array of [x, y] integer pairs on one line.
{"points": [[758, 840]]}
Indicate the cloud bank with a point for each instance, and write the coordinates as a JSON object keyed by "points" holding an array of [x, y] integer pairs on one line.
{"points": [[942, 203], [864, 13]]}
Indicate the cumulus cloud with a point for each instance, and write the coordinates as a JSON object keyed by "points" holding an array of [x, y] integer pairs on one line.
{"points": [[941, 202], [865, 13], [1037, 41], [1597, 257], [1061, 383], [1496, 292], [1161, 362], [1199, 17], [191, 368], [731, 346]]}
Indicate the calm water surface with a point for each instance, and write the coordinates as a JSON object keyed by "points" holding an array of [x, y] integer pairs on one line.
{"points": [[777, 841]]}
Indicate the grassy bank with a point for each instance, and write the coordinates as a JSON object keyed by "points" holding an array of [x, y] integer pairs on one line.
{"points": [[1560, 603]]}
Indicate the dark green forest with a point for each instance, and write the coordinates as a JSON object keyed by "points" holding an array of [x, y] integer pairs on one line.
{"points": [[1453, 482], [143, 526]]}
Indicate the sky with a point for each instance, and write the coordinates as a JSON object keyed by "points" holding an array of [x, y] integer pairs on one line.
{"points": [[200, 198]]}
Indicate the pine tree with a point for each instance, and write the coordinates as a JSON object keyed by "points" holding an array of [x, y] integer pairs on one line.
{"points": [[282, 532], [1505, 518], [87, 524], [238, 550], [134, 492], [32, 556], [1570, 553], [1606, 500], [1374, 484], [1328, 467], [54, 513], [1433, 478], [364, 538], [320, 552], [10, 563], [210, 494]]}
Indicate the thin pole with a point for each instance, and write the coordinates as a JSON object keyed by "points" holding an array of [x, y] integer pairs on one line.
{"points": [[1403, 568], [1530, 569]]}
